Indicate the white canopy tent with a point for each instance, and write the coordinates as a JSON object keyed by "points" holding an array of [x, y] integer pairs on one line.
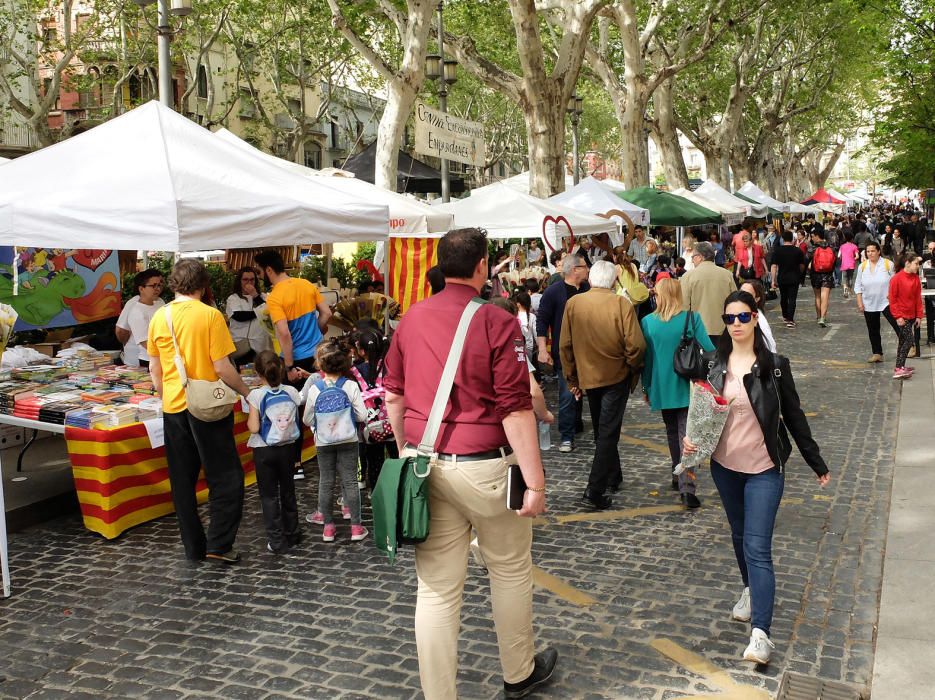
{"points": [[506, 213], [520, 183], [613, 185], [712, 191], [753, 192], [408, 217], [154, 179], [861, 195], [591, 195], [4, 160], [851, 200], [731, 213], [800, 209]]}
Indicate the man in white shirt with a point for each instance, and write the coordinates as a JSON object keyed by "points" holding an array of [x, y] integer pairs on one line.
{"points": [[635, 244], [133, 325]]}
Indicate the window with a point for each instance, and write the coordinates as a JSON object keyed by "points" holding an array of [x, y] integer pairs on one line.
{"points": [[313, 155], [335, 135], [49, 36], [89, 94], [247, 104], [248, 56], [202, 80], [47, 88]]}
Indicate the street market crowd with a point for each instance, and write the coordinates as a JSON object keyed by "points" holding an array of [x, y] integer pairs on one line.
{"points": [[681, 327]]}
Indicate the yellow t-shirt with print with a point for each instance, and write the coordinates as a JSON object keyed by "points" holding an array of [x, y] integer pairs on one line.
{"points": [[203, 337]]}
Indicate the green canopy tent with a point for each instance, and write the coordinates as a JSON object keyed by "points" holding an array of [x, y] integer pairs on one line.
{"points": [[769, 210], [666, 209]]}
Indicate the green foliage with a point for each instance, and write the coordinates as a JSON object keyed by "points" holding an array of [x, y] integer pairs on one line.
{"points": [[222, 279], [314, 270]]}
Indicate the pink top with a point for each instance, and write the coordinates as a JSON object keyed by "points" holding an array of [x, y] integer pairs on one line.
{"points": [[742, 447], [849, 253]]}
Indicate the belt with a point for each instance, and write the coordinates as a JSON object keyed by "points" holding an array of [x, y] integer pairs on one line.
{"points": [[474, 456]]}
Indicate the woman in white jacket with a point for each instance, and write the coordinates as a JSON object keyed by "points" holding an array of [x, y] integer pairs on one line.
{"points": [[244, 308]]}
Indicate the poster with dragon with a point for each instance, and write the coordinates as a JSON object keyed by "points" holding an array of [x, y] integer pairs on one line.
{"points": [[59, 287]]}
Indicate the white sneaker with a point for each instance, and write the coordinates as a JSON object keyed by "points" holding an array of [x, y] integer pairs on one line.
{"points": [[566, 446], [741, 611], [759, 647]]}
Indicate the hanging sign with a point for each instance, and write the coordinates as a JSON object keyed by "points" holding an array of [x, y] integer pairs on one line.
{"points": [[444, 136]]}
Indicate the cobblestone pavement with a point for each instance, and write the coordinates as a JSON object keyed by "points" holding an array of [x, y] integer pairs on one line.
{"points": [[636, 600]]}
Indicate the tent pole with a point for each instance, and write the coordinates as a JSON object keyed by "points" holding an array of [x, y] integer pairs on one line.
{"points": [[4, 553]]}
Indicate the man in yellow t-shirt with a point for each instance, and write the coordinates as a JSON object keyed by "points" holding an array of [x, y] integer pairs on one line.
{"points": [[204, 344]]}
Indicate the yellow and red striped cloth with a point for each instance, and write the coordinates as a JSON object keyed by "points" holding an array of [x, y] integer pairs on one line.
{"points": [[410, 259], [123, 481]]}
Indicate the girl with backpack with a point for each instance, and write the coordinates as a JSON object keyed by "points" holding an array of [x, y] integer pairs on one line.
{"points": [[334, 407], [370, 347], [274, 431]]}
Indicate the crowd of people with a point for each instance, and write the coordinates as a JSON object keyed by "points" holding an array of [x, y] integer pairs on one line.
{"points": [[607, 324]]}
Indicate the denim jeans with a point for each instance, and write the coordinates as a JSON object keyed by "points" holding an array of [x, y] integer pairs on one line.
{"points": [[567, 408], [751, 502], [191, 443], [340, 459], [607, 404]]}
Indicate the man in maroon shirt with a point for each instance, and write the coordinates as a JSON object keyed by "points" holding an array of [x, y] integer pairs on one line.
{"points": [[489, 425]]}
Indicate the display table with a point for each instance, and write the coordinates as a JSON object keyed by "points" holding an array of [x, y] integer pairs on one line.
{"points": [[121, 479]]}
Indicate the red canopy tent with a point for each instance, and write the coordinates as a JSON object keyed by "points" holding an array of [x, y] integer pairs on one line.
{"points": [[822, 197]]}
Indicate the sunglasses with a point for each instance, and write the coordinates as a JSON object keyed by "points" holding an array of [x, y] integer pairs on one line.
{"points": [[743, 317], [157, 285]]}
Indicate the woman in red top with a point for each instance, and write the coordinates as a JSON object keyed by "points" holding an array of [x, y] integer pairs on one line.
{"points": [[906, 306]]}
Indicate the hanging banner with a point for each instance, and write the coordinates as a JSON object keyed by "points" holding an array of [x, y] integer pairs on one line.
{"points": [[444, 136], [410, 259], [58, 287]]}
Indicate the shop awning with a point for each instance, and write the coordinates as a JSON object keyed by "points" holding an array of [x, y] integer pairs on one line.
{"points": [[411, 176]]}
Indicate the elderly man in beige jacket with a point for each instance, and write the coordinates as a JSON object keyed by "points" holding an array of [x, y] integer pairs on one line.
{"points": [[602, 350], [705, 288]]}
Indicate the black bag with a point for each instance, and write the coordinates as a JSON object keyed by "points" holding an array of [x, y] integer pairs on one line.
{"points": [[689, 361]]}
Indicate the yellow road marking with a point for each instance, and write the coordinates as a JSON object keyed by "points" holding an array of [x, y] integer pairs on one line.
{"points": [[617, 514], [821, 497], [654, 446], [560, 588], [810, 414], [712, 674], [645, 426], [794, 501]]}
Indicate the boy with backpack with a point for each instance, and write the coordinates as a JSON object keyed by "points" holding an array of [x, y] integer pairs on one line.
{"points": [[274, 430], [822, 275], [333, 409]]}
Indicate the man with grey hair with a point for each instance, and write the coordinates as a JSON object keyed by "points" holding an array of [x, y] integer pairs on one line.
{"points": [[549, 319], [601, 351], [705, 288]]}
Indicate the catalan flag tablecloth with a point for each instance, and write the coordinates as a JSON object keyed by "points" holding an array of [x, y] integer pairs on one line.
{"points": [[123, 481], [409, 260]]}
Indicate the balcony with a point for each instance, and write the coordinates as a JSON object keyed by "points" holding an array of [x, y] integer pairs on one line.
{"points": [[16, 139]]}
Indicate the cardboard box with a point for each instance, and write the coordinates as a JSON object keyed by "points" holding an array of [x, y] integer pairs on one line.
{"points": [[49, 349]]}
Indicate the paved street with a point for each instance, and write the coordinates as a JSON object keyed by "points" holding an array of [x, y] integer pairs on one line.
{"points": [[637, 600]]}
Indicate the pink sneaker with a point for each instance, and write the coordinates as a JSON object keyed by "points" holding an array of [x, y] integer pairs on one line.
{"points": [[328, 533], [345, 512], [901, 373], [358, 532], [315, 518]]}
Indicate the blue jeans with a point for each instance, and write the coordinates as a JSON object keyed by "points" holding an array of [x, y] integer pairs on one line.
{"points": [[751, 502], [567, 408]]}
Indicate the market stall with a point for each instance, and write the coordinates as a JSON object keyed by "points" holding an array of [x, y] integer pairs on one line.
{"points": [[755, 194], [731, 213], [591, 195], [823, 199], [519, 182], [153, 179], [710, 190], [667, 209]]}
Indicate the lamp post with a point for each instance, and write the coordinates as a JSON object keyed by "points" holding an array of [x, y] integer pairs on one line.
{"points": [[445, 71], [164, 34], [575, 108]]}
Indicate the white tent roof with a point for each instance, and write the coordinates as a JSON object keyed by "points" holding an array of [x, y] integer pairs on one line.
{"points": [[520, 183], [843, 197], [861, 195], [4, 160], [613, 185], [507, 213], [408, 217], [592, 196], [153, 179], [731, 213], [712, 191], [753, 192], [796, 208]]}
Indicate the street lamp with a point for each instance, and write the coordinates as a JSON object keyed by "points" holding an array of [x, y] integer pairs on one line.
{"points": [[445, 71], [575, 108], [164, 33]]}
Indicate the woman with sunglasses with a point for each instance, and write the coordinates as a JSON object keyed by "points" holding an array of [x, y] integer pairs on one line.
{"points": [[242, 307], [132, 327], [749, 462]]}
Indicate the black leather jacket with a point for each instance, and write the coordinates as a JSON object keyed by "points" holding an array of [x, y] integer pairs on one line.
{"points": [[770, 395]]}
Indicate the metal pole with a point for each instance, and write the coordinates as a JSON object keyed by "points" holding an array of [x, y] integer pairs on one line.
{"points": [[574, 146], [443, 97], [165, 65]]}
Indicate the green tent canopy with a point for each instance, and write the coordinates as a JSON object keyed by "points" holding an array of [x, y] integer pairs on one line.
{"points": [[770, 210], [666, 209]]}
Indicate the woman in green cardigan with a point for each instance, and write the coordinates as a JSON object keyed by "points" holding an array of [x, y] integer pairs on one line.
{"points": [[665, 390]]}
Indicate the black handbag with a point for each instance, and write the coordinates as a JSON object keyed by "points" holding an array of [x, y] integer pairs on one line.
{"points": [[689, 361]]}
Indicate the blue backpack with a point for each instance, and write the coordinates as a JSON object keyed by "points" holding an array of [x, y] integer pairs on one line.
{"points": [[279, 418], [334, 415]]}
